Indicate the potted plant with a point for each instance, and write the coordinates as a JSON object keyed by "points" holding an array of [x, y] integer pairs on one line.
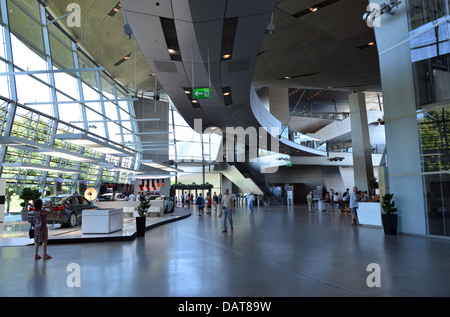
{"points": [[373, 185], [140, 221], [389, 216], [27, 195]]}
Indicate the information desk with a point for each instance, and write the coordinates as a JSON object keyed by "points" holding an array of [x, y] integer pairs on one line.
{"points": [[369, 213], [101, 220]]}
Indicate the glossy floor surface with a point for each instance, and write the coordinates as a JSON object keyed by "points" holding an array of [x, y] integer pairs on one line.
{"points": [[283, 251]]}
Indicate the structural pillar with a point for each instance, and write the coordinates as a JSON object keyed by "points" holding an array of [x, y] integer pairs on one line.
{"points": [[404, 168], [362, 153]]}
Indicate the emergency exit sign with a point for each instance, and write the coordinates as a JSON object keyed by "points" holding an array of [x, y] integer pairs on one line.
{"points": [[202, 93]]}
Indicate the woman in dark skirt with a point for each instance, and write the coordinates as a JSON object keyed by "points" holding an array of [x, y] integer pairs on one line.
{"points": [[40, 230]]}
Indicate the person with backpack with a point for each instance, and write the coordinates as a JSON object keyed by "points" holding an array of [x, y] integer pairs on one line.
{"points": [[200, 204]]}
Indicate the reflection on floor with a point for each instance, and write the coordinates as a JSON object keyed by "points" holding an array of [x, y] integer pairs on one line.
{"points": [[274, 252], [14, 231]]}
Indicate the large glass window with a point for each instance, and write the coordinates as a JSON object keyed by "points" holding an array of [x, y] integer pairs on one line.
{"points": [[40, 102], [430, 50], [434, 134], [430, 56]]}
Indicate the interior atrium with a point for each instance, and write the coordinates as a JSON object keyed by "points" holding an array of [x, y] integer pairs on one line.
{"points": [[271, 98]]}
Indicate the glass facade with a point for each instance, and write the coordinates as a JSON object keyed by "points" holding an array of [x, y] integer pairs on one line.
{"points": [[429, 26], [49, 86]]}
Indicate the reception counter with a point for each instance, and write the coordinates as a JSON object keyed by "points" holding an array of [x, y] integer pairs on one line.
{"points": [[369, 213], [101, 220]]}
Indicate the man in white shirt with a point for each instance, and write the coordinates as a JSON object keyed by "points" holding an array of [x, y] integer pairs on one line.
{"points": [[227, 207], [354, 205], [251, 200]]}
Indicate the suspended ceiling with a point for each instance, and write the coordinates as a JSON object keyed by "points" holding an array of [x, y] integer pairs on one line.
{"points": [[321, 49]]}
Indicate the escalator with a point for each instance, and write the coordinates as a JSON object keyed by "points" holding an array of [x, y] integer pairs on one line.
{"points": [[251, 171]]}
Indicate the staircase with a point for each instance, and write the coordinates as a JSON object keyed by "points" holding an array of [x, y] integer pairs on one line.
{"points": [[251, 171]]}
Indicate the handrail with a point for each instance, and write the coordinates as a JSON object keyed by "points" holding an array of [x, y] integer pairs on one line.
{"points": [[58, 121]]}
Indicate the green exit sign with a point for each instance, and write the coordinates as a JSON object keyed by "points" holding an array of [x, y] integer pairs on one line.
{"points": [[289, 164], [202, 93]]}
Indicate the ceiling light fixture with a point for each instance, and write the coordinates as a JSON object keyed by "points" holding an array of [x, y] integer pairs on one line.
{"points": [[114, 10], [226, 56], [123, 59], [171, 51], [313, 9]]}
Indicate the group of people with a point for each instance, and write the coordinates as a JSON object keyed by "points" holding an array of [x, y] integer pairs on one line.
{"points": [[348, 201], [222, 203]]}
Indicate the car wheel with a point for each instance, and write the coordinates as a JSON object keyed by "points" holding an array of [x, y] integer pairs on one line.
{"points": [[72, 220]]}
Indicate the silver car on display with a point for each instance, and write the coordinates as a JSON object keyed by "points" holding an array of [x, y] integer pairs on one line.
{"points": [[169, 203], [66, 209]]}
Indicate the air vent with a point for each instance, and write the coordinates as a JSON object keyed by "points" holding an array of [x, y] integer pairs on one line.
{"points": [[262, 52], [228, 35], [166, 67], [314, 8], [114, 10], [170, 35], [297, 76]]}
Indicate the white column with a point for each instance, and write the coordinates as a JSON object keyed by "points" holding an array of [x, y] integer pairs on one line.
{"points": [[362, 154]]}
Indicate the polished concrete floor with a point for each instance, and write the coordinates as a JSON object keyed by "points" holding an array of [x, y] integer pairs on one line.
{"points": [[276, 252]]}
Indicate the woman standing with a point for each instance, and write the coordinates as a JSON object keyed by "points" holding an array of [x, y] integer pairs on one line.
{"points": [[40, 230]]}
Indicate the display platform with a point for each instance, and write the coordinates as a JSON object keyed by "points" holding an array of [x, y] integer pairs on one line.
{"points": [[15, 232], [369, 214], [102, 220]]}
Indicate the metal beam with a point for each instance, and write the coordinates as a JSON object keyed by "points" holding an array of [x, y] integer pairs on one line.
{"points": [[52, 71]]}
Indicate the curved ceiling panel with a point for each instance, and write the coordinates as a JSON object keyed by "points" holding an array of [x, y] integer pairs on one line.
{"points": [[203, 44], [206, 44]]}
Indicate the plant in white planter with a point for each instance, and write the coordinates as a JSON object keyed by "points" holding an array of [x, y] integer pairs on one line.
{"points": [[389, 217]]}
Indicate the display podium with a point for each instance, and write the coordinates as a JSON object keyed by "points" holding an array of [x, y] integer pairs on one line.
{"points": [[369, 213], [101, 220]]}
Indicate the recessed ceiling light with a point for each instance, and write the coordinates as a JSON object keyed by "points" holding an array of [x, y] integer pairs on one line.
{"points": [[226, 93], [194, 100], [287, 77], [187, 91], [371, 43], [171, 51], [226, 56], [313, 9]]}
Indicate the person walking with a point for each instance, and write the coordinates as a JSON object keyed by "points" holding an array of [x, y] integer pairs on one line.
{"points": [[188, 201], [208, 203], [309, 199], [227, 208], [200, 201], [41, 229], [353, 204], [215, 201], [251, 200]]}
